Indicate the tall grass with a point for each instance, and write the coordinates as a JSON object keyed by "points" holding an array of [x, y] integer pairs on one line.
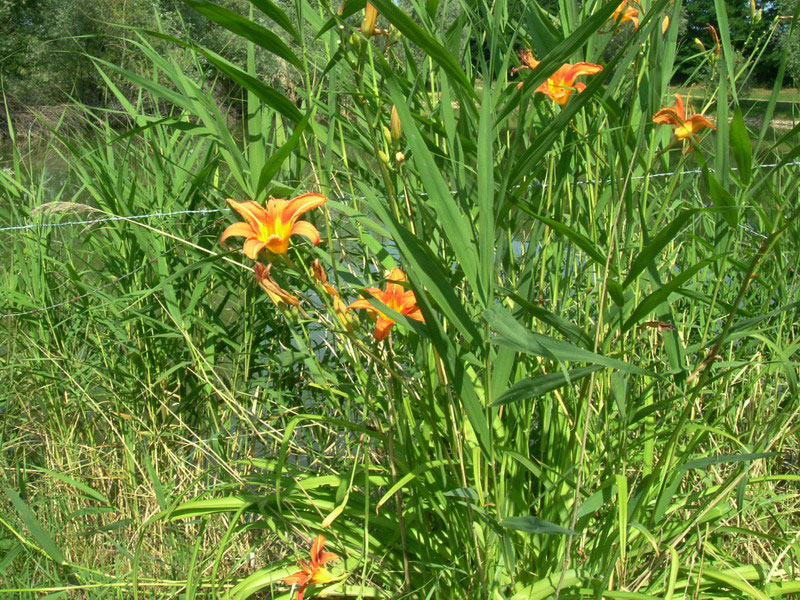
{"points": [[601, 401]]}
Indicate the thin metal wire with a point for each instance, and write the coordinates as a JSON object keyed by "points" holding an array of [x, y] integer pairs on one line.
{"points": [[218, 210]]}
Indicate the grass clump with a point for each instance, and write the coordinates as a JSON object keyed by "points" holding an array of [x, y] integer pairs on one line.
{"points": [[581, 378]]}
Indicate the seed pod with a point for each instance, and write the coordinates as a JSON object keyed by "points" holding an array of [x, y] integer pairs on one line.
{"points": [[397, 126]]}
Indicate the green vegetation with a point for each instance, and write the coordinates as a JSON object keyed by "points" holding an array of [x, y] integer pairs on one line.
{"points": [[600, 401]]}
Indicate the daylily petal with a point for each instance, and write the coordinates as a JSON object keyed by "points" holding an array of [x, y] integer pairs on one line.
{"points": [[252, 246], [699, 122], [415, 313], [277, 244], [239, 229], [326, 557], [316, 549], [322, 575], [300, 205], [306, 229], [397, 275], [300, 578], [584, 68], [382, 328], [666, 116], [680, 110], [363, 304], [251, 211]]}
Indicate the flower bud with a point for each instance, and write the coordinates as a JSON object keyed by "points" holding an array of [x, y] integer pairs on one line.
{"points": [[699, 44], [387, 135], [753, 9], [397, 126], [759, 16], [665, 25], [383, 156], [370, 18]]}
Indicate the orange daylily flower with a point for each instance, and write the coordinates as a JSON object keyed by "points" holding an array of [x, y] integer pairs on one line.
{"points": [[676, 116], [626, 11], [528, 62], [561, 84], [312, 572], [272, 227], [276, 293], [396, 297]]}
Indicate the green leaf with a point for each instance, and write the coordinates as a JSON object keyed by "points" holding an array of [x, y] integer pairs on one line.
{"points": [[39, 533], [740, 144], [350, 8], [535, 525], [657, 244], [245, 28], [651, 302], [578, 239], [273, 164], [512, 334], [702, 463], [268, 95], [201, 508], [486, 213], [274, 12], [721, 198], [531, 387], [426, 42]]}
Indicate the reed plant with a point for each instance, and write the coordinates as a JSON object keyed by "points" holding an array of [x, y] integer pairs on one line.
{"points": [[581, 381]]}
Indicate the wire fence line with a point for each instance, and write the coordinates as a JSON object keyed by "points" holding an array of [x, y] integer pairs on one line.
{"points": [[219, 210]]}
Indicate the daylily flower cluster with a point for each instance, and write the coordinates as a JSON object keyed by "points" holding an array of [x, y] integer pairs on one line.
{"points": [[268, 230]]}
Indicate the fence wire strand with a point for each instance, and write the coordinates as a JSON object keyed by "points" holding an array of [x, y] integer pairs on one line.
{"points": [[219, 210], [201, 211]]}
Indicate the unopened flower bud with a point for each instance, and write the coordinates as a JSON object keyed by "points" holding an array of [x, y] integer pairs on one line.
{"points": [[699, 44], [370, 18], [383, 156], [387, 135], [759, 16], [400, 158], [397, 126], [665, 24], [752, 9]]}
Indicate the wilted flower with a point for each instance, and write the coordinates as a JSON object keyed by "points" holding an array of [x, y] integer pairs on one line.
{"points": [[685, 126], [312, 572], [272, 227], [528, 62], [713, 31], [396, 297], [276, 293], [561, 84]]}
